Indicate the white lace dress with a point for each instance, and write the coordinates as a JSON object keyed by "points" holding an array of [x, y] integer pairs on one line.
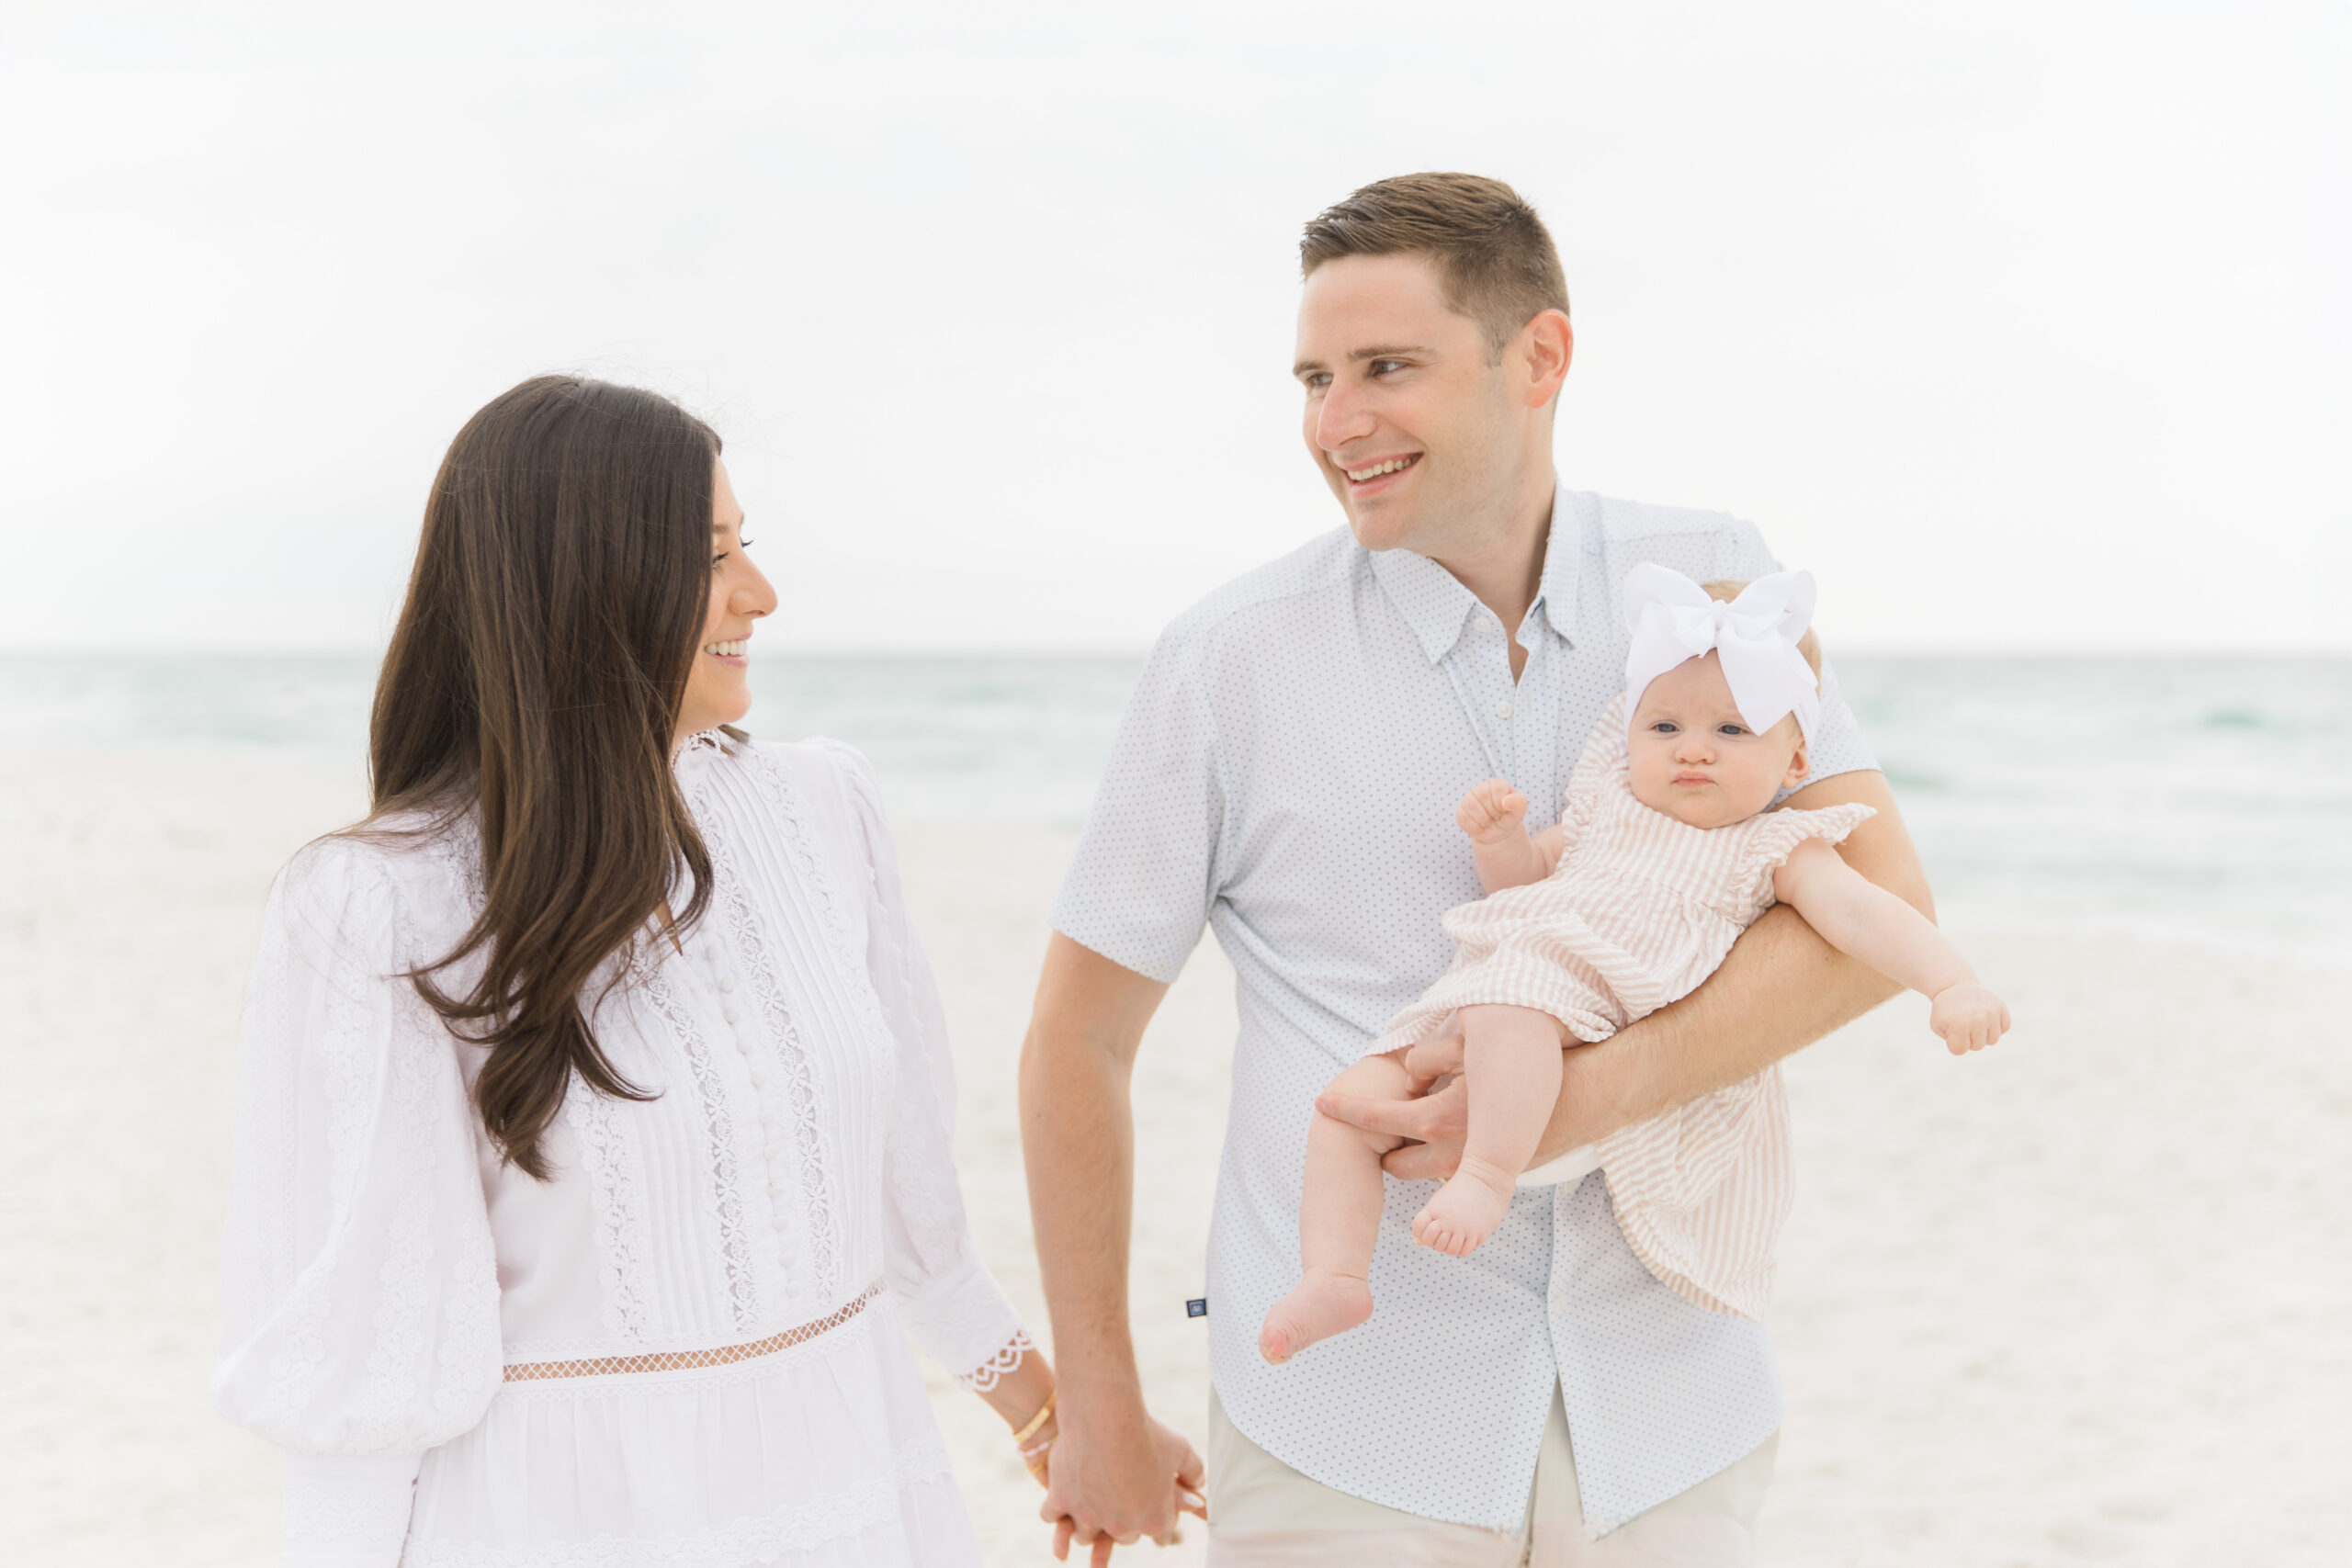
{"points": [[687, 1349]]}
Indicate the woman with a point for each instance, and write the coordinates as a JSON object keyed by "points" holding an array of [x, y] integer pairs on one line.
{"points": [[593, 1145]]}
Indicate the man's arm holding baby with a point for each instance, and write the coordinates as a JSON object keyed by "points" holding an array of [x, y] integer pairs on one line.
{"points": [[1781, 988]]}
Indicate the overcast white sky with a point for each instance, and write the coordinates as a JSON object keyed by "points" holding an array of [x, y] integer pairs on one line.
{"points": [[2022, 325]]}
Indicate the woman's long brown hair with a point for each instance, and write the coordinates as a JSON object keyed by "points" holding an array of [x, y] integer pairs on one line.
{"points": [[535, 680]]}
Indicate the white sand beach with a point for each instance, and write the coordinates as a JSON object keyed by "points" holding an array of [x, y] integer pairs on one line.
{"points": [[2085, 1298]]}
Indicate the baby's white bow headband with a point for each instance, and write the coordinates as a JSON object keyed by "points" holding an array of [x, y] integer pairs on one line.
{"points": [[1755, 636]]}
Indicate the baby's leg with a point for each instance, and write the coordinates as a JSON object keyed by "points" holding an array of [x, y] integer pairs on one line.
{"points": [[1511, 1065], [1339, 1218]]}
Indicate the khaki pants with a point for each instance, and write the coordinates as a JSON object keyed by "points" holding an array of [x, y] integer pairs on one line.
{"points": [[1264, 1514]]}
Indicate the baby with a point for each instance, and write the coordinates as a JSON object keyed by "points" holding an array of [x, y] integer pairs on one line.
{"points": [[1663, 854]]}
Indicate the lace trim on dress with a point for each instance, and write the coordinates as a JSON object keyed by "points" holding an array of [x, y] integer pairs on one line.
{"points": [[797, 1526], [686, 1360], [793, 814], [853, 1338], [784, 1034], [741, 1292], [609, 1162], [985, 1376]]}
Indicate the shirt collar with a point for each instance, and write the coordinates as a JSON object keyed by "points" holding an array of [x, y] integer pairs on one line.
{"points": [[1436, 605]]}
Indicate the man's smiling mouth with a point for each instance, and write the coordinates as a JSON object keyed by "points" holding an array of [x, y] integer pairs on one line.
{"points": [[1386, 466]]}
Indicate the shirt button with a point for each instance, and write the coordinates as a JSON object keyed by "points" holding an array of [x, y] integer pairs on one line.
{"points": [[1502, 708]]}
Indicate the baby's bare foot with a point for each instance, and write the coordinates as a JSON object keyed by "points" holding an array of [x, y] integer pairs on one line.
{"points": [[1322, 1305], [1465, 1211]]}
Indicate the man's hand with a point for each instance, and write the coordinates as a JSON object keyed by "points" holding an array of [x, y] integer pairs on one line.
{"points": [[1438, 1123], [1114, 1477]]}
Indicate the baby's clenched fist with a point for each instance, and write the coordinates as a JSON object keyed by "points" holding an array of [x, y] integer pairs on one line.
{"points": [[1492, 811], [1969, 1017]]}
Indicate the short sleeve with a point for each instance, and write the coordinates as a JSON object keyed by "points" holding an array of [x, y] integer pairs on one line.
{"points": [[1605, 752], [1774, 836], [359, 1279], [953, 1305], [1139, 888]]}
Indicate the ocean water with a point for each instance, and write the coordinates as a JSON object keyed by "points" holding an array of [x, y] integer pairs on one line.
{"points": [[2205, 799]]}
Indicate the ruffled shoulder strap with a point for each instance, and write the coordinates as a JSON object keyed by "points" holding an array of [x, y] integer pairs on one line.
{"points": [[1603, 763], [1774, 836]]}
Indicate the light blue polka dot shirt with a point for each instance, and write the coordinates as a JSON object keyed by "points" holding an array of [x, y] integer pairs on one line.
{"points": [[1287, 772]]}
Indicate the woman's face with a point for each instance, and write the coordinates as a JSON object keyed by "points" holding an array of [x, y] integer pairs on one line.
{"points": [[720, 689]]}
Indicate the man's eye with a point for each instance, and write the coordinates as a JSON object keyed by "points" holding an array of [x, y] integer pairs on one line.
{"points": [[1383, 366], [1316, 382]]}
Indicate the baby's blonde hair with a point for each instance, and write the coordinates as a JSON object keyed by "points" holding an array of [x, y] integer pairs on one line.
{"points": [[1808, 645]]}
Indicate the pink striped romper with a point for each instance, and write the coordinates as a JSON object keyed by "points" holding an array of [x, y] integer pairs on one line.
{"points": [[1640, 909]]}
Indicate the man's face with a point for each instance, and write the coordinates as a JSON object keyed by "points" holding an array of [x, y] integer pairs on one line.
{"points": [[1411, 427]]}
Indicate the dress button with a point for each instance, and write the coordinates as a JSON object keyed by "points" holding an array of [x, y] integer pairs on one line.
{"points": [[743, 1044], [1502, 708], [759, 1076], [727, 982], [729, 1014]]}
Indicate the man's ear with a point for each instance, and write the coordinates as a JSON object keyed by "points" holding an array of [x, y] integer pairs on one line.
{"points": [[1550, 343]]}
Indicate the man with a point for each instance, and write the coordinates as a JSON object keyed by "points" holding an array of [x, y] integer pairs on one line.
{"points": [[1287, 772]]}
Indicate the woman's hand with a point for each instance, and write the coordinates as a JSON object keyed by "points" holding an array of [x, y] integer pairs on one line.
{"points": [[1165, 1454]]}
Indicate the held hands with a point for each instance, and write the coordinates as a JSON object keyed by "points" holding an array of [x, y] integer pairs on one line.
{"points": [[1969, 1017], [1492, 812], [1117, 1480]]}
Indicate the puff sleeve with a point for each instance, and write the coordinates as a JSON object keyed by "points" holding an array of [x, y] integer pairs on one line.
{"points": [[1775, 835], [360, 1286], [1605, 752], [953, 1305]]}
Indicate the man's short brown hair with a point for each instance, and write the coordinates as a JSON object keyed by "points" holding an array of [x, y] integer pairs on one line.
{"points": [[1493, 255]]}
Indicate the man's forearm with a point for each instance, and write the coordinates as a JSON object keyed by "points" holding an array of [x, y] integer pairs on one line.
{"points": [[1078, 1140], [1780, 988]]}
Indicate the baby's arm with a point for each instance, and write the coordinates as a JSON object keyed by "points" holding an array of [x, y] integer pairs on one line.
{"points": [[1856, 915], [1494, 814]]}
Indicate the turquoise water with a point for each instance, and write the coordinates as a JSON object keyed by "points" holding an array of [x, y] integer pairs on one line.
{"points": [[2205, 798]]}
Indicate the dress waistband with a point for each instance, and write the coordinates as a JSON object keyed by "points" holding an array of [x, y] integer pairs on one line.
{"points": [[680, 1361]]}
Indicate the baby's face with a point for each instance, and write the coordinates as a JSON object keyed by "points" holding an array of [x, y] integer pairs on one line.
{"points": [[1695, 759]]}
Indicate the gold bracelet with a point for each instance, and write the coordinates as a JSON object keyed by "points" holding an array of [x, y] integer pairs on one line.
{"points": [[1030, 1430]]}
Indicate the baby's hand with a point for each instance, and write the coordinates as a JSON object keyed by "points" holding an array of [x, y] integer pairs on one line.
{"points": [[1491, 812], [1969, 1017]]}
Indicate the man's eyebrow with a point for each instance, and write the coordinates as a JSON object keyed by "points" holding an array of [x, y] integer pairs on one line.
{"points": [[1378, 351]]}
